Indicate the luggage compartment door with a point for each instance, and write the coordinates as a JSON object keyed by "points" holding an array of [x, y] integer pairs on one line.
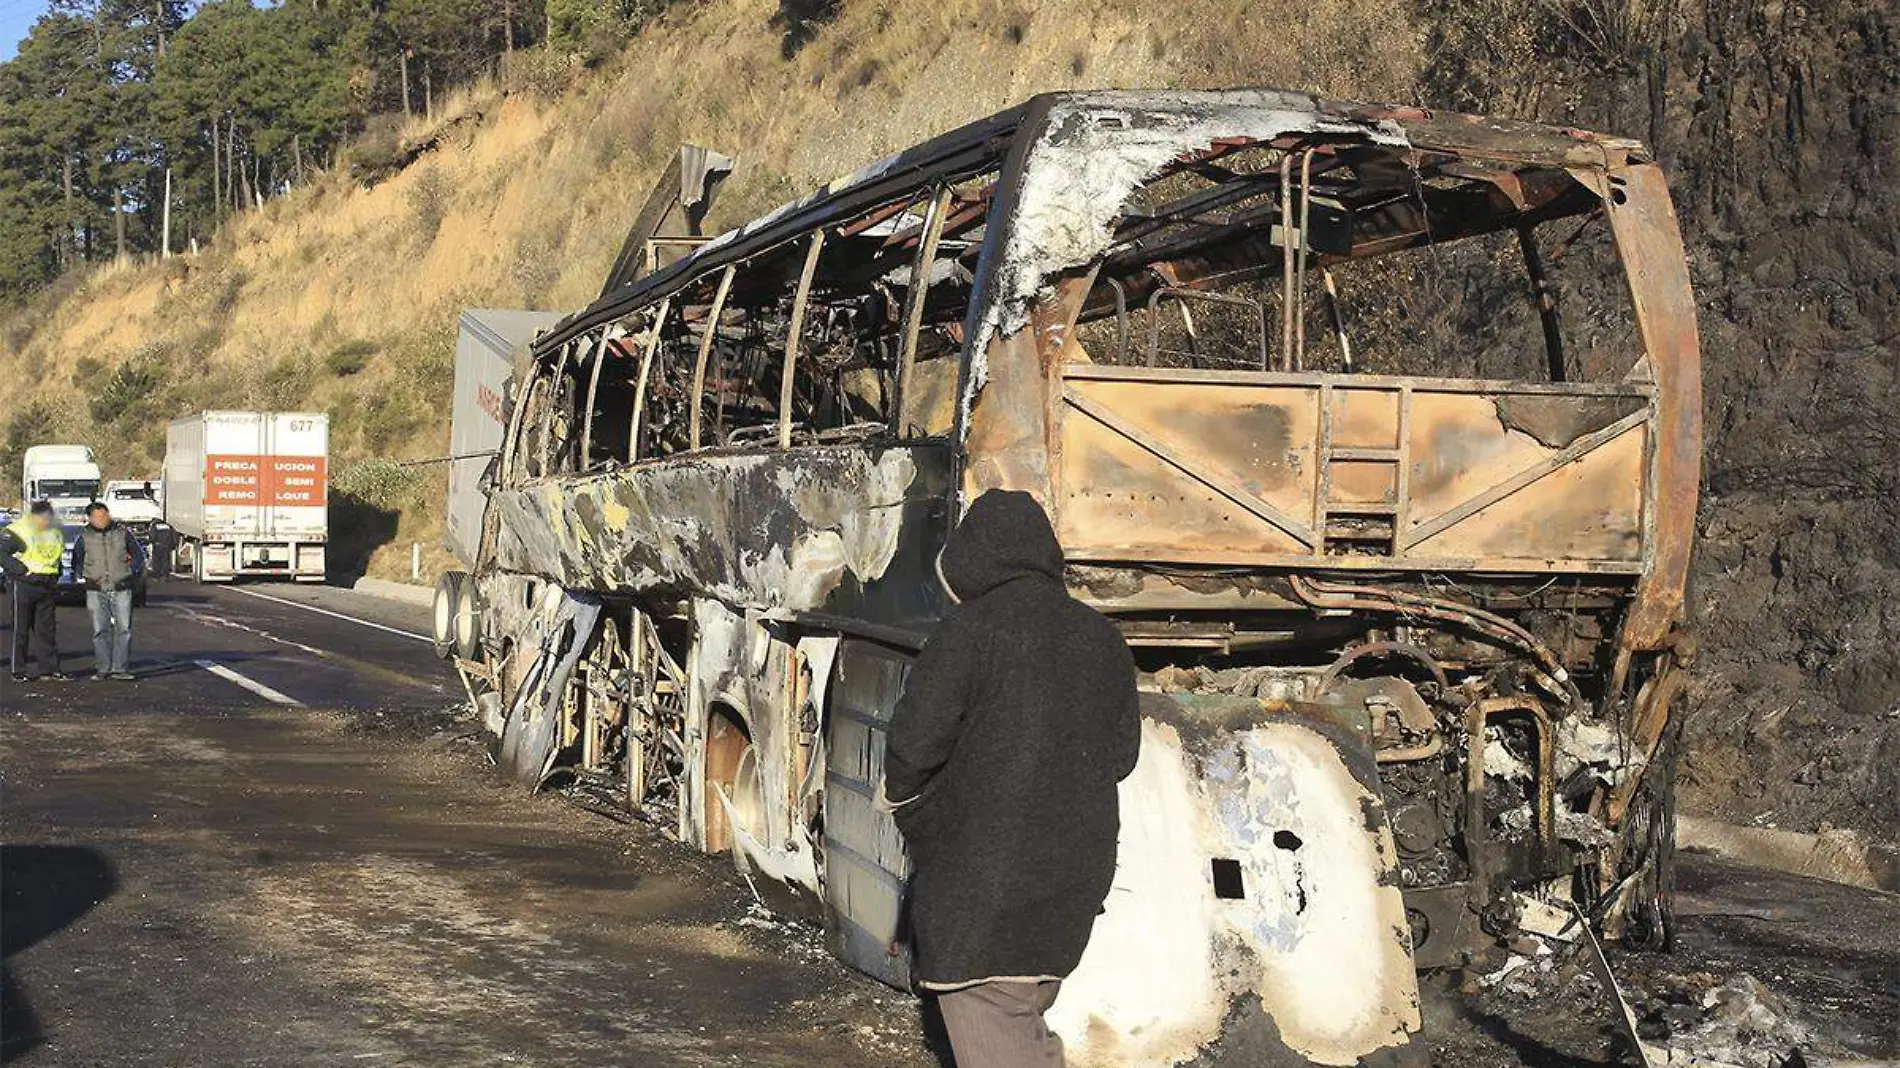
{"points": [[865, 867]]}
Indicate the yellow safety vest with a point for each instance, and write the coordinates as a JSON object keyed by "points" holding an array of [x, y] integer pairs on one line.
{"points": [[43, 547]]}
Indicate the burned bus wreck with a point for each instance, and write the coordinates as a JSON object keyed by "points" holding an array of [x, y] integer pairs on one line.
{"points": [[1402, 557]]}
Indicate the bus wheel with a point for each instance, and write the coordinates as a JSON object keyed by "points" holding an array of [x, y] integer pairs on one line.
{"points": [[722, 760], [450, 590]]}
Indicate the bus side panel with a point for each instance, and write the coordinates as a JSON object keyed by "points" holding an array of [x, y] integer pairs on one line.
{"points": [[1337, 471]]}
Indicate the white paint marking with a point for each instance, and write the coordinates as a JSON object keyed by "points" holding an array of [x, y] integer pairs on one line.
{"points": [[219, 621], [250, 684], [333, 615]]}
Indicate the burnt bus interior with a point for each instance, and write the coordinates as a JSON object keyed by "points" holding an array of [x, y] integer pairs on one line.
{"points": [[1197, 277], [1511, 727]]}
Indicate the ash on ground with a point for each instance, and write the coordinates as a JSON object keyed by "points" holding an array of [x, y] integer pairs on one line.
{"points": [[1766, 971]]}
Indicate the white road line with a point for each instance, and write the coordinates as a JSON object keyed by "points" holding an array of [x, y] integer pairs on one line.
{"points": [[250, 684], [210, 620], [332, 615]]}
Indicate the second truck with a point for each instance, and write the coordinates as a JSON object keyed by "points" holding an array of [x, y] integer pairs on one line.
{"points": [[247, 493]]}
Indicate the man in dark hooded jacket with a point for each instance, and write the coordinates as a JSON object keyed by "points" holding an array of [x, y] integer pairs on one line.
{"points": [[1017, 720]]}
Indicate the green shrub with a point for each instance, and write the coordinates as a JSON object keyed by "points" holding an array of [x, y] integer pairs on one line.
{"points": [[389, 419], [429, 198], [380, 484], [544, 72], [230, 286], [536, 266], [596, 31], [285, 385], [129, 389], [378, 152], [350, 357], [35, 424]]}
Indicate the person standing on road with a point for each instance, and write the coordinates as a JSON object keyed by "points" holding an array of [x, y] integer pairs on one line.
{"points": [[1017, 721], [109, 560], [30, 550]]}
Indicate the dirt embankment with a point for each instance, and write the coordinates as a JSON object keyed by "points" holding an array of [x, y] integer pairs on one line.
{"points": [[1777, 122]]}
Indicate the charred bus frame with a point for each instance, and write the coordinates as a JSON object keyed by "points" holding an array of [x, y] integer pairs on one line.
{"points": [[1410, 641]]}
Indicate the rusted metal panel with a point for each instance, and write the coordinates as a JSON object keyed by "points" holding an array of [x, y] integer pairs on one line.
{"points": [[1202, 468], [865, 863], [1480, 489], [1009, 434], [1236, 482], [1650, 244]]}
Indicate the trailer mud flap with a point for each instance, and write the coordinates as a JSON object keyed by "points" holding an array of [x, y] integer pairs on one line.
{"points": [[1256, 916], [531, 736]]}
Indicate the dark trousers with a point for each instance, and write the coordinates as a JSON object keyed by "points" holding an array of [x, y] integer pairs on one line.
{"points": [[34, 639], [998, 1024]]}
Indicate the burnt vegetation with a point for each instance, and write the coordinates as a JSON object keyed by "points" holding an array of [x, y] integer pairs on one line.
{"points": [[1778, 125]]}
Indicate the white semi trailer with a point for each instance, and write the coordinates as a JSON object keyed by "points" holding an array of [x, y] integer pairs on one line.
{"points": [[247, 493], [484, 357]]}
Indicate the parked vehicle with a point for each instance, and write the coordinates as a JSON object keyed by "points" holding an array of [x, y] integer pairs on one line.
{"points": [[485, 350], [1402, 554], [247, 493], [136, 502], [67, 476]]}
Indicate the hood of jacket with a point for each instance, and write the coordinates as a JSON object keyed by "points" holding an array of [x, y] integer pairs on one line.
{"points": [[1005, 535]]}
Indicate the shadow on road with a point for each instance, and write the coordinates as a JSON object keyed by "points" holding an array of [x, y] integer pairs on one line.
{"points": [[358, 527], [184, 663], [43, 889]]}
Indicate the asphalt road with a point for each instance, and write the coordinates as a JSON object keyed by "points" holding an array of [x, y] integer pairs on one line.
{"points": [[197, 872], [283, 846]]}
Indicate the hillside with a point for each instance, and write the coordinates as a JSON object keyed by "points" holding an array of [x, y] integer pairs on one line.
{"points": [[1777, 122]]}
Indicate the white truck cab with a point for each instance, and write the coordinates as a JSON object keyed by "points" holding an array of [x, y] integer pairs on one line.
{"points": [[66, 476], [138, 503]]}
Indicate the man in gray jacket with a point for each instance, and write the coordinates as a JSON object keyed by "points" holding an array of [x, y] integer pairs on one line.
{"points": [[109, 560]]}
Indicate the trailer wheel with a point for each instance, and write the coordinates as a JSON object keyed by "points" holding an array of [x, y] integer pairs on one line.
{"points": [[449, 592], [467, 623]]}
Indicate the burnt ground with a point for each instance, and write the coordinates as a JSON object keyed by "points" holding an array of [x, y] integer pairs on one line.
{"points": [[1778, 125], [195, 874], [1828, 957]]}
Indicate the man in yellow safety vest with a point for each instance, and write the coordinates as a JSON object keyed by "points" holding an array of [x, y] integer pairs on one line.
{"points": [[30, 550]]}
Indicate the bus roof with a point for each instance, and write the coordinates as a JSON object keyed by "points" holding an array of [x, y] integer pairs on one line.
{"points": [[987, 146]]}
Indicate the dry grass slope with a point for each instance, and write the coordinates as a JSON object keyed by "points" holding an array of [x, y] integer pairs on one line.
{"points": [[1778, 124], [344, 298]]}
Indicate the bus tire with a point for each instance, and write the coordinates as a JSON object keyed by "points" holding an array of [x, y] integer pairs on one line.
{"points": [[466, 627], [449, 591]]}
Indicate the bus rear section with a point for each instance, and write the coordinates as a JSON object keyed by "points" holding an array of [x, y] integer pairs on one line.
{"points": [[1377, 431]]}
